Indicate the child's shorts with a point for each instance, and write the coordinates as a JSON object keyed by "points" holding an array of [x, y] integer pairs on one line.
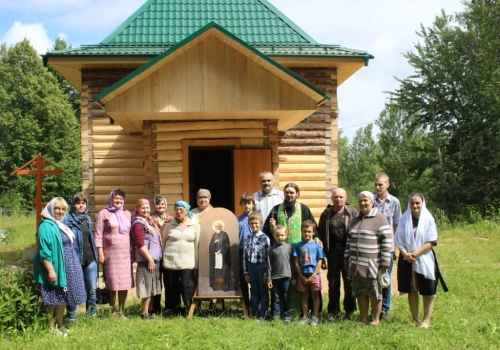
{"points": [[315, 286]]}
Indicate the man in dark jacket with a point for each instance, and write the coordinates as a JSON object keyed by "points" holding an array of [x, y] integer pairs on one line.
{"points": [[332, 229]]}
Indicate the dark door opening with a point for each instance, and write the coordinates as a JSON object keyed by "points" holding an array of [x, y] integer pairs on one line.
{"points": [[212, 168]]}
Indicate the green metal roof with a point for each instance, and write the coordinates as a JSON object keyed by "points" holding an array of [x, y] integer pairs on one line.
{"points": [[199, 32], [170, 21]]}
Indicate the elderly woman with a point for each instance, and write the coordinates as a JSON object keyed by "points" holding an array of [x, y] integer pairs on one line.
{"points": [[55, 265], [203, 197], [160, 216], [367, 251], [112, 238], [81, 225], [147, 241], [180, 239], [417, 271]]}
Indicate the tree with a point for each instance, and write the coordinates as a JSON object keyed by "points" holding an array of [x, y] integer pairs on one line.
{"points": [[35, 118], [454, 97], [358, 161]]}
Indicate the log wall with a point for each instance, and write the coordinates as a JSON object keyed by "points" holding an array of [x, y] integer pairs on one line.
{"points": [[111, 157], [308, 152]]}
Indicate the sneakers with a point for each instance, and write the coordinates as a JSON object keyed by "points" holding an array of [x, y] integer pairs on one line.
{"points": [[304, 320], [334, 317], [288, 319], [314, 321], [383, 315], [63, 331]]}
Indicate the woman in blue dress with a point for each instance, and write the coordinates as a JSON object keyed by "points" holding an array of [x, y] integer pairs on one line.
{"points": [[56, 267]]}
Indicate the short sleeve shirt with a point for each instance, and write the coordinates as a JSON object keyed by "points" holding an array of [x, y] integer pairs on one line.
{"points": [[308, 253]]}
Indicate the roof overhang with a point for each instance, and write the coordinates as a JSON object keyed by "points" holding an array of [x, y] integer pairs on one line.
{"points": [[211, 74]]}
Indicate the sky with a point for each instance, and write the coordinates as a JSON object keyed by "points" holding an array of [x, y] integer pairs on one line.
{"points": [[384, 28]]}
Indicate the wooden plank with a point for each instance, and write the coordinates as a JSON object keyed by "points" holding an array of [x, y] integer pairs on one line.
{"points": [[170, 169], [119, 154], [169, 155], [118, 163], [118, 171], [117, 138], [317, 150], [101, 200], [128, 189], [301, 159], [208, 125], [215, 134], [167, 146], [311, 185], [292, 177], [304, 194], [177, 188], [170, 180], [253, 143], [296, 168], [115, 180], [314, 203], [115, 146], [108, 130]]}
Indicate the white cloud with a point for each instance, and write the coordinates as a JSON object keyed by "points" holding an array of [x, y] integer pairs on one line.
{"points": [[34, 32]]}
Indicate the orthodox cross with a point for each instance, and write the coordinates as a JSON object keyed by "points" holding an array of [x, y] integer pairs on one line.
{"points": [[39, 162]]}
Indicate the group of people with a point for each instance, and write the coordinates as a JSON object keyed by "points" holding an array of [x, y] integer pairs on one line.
{"points": [[280, 246]]}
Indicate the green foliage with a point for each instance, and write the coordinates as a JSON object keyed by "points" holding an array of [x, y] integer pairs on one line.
{"points": [[35, 118], [20, 307], [453, 97], [358, 161]]}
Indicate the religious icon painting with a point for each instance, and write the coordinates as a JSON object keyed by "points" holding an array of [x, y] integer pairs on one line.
{"points": [[218, 273]]}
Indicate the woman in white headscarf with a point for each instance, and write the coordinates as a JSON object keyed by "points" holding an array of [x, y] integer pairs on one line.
{"points": [[415, 237], [56, 267]]}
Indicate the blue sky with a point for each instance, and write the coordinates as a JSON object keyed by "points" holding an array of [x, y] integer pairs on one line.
{"points": [[385, 28]]}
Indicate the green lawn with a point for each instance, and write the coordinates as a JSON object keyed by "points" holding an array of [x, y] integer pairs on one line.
{"points": [[467, 317]]}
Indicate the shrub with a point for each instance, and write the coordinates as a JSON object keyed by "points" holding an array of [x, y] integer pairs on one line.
{"points": [[20, 306]]}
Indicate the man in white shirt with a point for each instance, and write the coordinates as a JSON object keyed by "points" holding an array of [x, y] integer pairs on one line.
{"points": [[268, 196]]}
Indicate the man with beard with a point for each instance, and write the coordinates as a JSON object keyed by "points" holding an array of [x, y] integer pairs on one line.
{"points": [[291, 214], [268, 196]]}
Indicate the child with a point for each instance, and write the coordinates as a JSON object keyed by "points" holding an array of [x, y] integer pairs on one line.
{"points": [[255, 255], [308, 257], [280, 273], [247, 201]]}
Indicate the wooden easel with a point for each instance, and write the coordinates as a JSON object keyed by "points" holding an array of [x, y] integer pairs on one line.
{"points": [[196, 298]]}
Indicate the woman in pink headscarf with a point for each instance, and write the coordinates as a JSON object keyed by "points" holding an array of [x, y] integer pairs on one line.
{"points": [[147, 240], [112, 239]]}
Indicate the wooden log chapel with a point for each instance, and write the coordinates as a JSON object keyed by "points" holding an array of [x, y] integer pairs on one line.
{"points": [[207, 93]]}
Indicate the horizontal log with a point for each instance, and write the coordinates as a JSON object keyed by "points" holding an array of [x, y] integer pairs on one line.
{"points": [[207, 125], [305, 168], [170, 169], [99, 121], [118, 163], [311, 185], [166, 180], [101, 201], [116, 146], [297, 176], [213, 134], [98, 190], [116, 180], [299, 159], [177, 188], [253, 143], [306, 134], [169, 155], [167, 145], [119, 154], [302, 142], [303, 150], [117, 138], [312, 126], [118, 171], [108, 130], [314, 203]]}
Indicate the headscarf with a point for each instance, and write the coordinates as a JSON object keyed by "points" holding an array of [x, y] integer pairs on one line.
{"points": [[426, 232], [146, 221], [48, 213], [184, 205], [123, 223], [204, 191], [160, 199], [367, 194], [78, 217]]}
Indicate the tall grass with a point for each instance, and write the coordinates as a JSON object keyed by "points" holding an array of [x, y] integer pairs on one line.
{"points": [[21, 233], [467, 317]]}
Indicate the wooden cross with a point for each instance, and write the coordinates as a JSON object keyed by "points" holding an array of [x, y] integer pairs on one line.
{"points": [[39, 162]]}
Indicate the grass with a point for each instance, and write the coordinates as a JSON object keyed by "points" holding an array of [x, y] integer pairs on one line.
{"points": [[466, 317]]}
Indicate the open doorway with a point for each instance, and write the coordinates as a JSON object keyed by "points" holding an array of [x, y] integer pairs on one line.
{"points": [[212, 168]]}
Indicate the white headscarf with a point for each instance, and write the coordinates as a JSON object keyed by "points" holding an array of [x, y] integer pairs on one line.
{"points": [[48, 213], [426, 232]]}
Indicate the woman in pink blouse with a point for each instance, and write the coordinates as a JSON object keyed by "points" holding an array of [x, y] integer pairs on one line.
{"points": [[112, 239]]}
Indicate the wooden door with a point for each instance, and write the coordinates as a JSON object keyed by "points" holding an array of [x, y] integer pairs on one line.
{"points": [[248, 164]]}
